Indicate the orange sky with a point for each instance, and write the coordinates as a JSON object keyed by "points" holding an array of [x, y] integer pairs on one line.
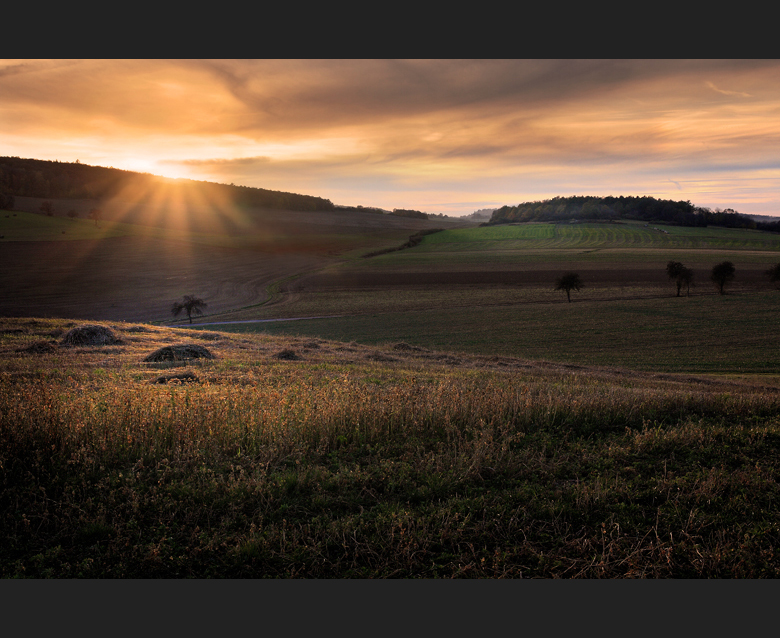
{"points": [[449, 136]]}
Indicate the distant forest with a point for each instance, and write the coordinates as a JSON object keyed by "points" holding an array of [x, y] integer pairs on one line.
{"points": [[72, 180], [649, 209]]}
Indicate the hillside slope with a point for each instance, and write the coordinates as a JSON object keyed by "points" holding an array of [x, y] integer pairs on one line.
{"points": [[300, 457]]}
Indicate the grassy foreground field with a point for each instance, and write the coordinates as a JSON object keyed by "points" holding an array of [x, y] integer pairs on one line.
{"points": [[302, 457]]}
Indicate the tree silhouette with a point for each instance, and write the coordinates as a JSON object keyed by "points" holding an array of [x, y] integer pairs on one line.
{"points": [[722, 273], [6, 201], [685, 277], [774, 273], [95, 214], [190, 305], [680, 274], [568, 282]]}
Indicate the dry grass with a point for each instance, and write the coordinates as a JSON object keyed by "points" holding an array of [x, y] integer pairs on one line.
{"points": [[179, 352], [90, 335], [355, 461]]}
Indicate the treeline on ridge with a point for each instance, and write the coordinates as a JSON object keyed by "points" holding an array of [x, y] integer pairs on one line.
{"points": [[72, 180], [649, 209]]}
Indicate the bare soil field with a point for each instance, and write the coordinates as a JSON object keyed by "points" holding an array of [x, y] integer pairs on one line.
{"points": [[342, 289], [127, 278], [227, 256]]}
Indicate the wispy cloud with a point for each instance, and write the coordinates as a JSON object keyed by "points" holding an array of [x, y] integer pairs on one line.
{"points": [[727, 92]]}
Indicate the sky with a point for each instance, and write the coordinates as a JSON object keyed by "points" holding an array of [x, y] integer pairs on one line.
{"points": [[441, 136]]}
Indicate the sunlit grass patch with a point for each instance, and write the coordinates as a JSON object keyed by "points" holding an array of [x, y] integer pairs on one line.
{"points": [[342, 464]]}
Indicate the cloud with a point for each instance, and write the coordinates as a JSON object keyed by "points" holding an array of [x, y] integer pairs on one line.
{"points": [[498, 127], [726, 92]]}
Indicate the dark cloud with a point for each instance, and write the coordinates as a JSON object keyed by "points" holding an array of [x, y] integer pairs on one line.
{"points": [[439, 124], [323, 93]]}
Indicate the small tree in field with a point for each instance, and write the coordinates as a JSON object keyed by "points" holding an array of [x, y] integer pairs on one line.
{"points": [[685, 278], [47, 208], [774, 273], [722, 273], [189, 305], [568, 282], [72, 213], [681, 275], [96, 215]]}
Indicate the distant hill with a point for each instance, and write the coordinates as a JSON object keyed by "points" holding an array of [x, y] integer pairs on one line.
{"points": [[72, 180], [649, 209]]}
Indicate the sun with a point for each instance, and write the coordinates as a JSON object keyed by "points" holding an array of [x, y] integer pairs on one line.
{"points": [[143, 165]]}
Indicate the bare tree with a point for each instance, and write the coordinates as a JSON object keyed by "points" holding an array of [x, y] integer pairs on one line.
{"points": [[568, 282], [189, 305]]}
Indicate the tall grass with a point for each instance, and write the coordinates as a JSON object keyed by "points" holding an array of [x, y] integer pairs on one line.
{"points": [[356, 461]]}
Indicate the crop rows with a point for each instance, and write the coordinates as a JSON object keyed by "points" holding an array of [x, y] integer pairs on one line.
{"points": [[593, 236]]}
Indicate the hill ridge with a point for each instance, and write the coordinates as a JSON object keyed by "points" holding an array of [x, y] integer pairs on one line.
{"points": [[26, 177], [610, 208]]}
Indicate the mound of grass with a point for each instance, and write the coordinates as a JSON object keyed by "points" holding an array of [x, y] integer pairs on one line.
{"points": [[90, 335], [181, 377], [180, 352], [287, 355], [40, 347], [138, 329], [405, 347]]}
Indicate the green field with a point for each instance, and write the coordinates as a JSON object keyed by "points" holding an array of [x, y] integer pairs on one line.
{"points": [[628, 235], [735, 335], [607, 244]]}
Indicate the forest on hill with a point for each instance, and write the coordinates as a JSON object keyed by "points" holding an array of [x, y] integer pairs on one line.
{"points": [[21, 177], [649, 209]]}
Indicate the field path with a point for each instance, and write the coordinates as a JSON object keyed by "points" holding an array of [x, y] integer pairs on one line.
{"points": [[225, 323]]}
